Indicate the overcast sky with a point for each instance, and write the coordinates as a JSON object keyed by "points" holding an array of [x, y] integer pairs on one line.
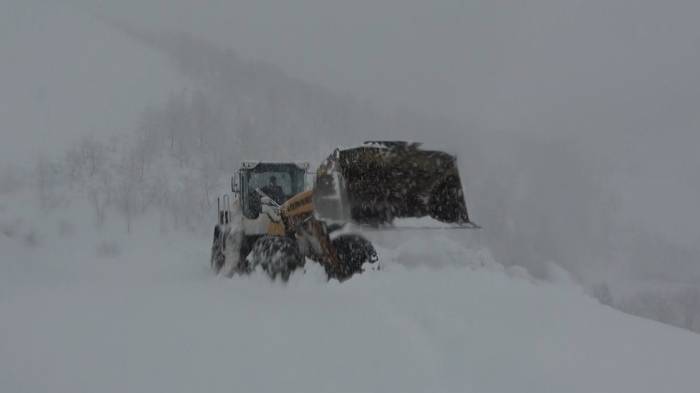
{"points": [[508, 63], [618, 76]]}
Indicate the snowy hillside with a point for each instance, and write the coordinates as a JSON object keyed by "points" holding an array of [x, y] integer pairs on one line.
{"points": [[66, 75], [85, 310]]}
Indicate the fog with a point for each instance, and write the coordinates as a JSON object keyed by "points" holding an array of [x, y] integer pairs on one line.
{"points": [[576, 122]]}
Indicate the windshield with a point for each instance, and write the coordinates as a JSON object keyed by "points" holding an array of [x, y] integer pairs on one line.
{"points": [[278, 181], [263, 180]]}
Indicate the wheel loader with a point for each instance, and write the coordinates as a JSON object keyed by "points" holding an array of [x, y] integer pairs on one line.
{"points": [[276, 217]]}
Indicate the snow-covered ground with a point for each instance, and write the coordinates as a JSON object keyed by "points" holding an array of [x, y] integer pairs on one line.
{"points": [[87, 310]]}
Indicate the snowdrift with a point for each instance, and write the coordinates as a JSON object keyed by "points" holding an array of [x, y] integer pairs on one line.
{"points": [[85, 310]]}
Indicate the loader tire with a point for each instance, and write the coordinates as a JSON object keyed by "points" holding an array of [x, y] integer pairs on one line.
{"points": [[278, 256], [218, 257], [353, 251], [447, 201]]}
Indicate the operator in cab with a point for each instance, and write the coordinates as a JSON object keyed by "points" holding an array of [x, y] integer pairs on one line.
{"points": [[274, 191]]}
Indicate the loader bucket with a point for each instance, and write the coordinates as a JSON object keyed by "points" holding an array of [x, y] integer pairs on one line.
{"points": [[381, 181]]}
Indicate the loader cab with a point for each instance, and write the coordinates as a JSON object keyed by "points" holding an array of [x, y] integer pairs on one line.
{"points": [[290, 179]]}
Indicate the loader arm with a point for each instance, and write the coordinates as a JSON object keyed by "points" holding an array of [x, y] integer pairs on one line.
{"points": [[300, 221]]}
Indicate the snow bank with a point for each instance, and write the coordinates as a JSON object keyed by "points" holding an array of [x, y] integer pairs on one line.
{"points": [[102, 311]]}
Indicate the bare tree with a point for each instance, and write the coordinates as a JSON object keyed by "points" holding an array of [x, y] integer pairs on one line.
{"points": [[48, 176]]}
